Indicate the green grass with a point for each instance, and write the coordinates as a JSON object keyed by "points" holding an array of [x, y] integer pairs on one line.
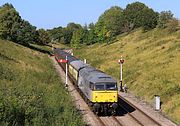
{"points": [[31, 92], [152, 65]]}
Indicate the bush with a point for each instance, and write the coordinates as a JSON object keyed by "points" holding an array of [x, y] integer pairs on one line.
{"points": [[172, 25]]}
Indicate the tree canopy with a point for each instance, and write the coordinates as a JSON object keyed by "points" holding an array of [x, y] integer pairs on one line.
{"points": [[112, 22], [14, 28], [139, 15]]}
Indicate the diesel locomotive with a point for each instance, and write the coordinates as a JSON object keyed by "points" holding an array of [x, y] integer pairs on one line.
{"points": [[98, 89]]}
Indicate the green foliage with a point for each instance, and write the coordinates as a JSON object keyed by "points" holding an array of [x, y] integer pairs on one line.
{"points": [[13, 28], [56, 34], [68, 32], [113, 22], [101, 31], [26, 33], [133, 13], [67, 36], [149, 19], [112, 19], [31, 92], [43, 37], [9, 18], [164, 17], [77, 38], [91, 36], [139, 15]]}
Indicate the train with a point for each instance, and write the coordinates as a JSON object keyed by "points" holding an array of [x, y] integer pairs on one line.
{"points": [[98, 89]]}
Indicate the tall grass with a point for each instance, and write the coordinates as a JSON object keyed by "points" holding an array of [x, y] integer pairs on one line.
{"points": [[152, 65], [31, 92]]}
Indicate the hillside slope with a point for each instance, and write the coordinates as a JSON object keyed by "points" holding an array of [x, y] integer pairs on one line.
{"points": [[31, 92], [152, 65]]}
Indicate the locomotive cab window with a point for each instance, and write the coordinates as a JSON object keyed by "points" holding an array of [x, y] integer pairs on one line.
{"points": [[111, 86], [99, 87], [106, 86]]}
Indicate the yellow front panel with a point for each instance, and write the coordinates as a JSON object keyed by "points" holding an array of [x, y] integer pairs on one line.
{"points": [[104, 96]]}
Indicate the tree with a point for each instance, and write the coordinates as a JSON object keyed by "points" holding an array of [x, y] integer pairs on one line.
{"points": [[73, 26], [149, 19], [68, 32], [132, 14], [164, 18], [172, 25], [13, 28], [43, 37], [26, 33], [85, 34], [91, 36], [109, 24], [56, 34], [139, 15], [101, 31], [67, 35], [113, 20], [9, 22], [77, 38]]}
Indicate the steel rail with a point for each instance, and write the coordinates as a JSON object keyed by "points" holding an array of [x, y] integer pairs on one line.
{"points": [[116, 120], [136, 108]]}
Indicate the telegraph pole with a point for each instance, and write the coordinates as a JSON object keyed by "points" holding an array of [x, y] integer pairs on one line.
{"points": [[66, 84], [65, 61], [121, 61]]}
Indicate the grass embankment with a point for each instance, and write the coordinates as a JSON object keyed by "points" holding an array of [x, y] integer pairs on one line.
{"points": [[31, 92], [152, 65]]}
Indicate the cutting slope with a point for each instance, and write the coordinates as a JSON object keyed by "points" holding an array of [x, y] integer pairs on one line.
{"points": [[152, 65], [31, 92]]}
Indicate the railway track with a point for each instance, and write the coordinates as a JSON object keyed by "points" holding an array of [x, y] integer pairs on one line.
{"points": [[109, 121], [140, 117], [127, 115]]}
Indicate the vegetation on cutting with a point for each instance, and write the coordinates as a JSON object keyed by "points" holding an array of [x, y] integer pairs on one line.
{"points": [[31, 92], [151, 65], [30, 89]]}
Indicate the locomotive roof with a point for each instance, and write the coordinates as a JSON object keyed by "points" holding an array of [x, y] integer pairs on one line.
{"points": [[95, 76], [78, 64], [100, 77]]}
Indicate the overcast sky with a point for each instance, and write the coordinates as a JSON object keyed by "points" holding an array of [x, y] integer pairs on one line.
{"points": [[53, 13]]}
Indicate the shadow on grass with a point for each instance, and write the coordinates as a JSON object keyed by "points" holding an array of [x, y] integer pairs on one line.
{"points": [[36, 49]]}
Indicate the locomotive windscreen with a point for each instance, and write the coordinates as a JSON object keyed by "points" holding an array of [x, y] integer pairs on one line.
{"points": [[105, 86], [111, 86]]}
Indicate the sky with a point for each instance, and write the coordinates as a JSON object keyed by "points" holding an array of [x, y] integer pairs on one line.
{"points": [[48, 14]]}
